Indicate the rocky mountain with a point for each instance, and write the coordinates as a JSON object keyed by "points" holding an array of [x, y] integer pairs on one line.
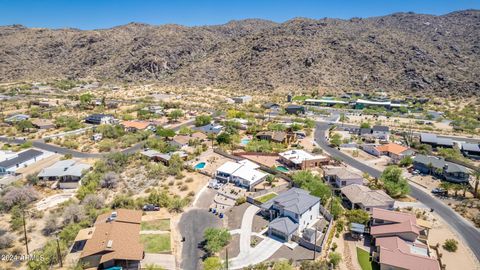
{"points": [[402, 52]]}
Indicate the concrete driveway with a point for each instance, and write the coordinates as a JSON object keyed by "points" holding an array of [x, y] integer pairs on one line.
{"points": [[248, 255]]}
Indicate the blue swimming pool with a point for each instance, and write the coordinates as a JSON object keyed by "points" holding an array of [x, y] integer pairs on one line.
{"points": [[245, 141], [200, 165]]}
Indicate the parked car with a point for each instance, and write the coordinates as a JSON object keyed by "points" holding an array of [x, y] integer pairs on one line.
{"points": [[439, 191], [150, 207]]}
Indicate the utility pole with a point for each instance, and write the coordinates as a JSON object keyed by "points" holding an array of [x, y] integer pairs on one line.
{"points": [[315, 245], [59, 254], [226, 258], [25, 231]]}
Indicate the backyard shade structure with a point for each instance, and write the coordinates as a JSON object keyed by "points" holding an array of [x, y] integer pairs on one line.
{"points": [[115, 240], [357, 228]]}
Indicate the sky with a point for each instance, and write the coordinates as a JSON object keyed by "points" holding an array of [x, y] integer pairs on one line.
{"points": [[97, 14]]}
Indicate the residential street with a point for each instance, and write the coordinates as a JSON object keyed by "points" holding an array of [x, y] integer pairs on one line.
{"points": [[192, 225], [462, 227], [40, 144]]}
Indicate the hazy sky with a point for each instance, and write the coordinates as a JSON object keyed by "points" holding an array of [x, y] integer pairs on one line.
{"points": [[92, 14]]}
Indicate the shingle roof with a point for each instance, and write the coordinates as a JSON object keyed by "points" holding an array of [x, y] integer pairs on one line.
{"points": [[381, 128], [116, 239], [284, 225], [342, 173], [473, 147], [440, 163], [64, 168], [21, 157], [295, 200], [364, 195]]}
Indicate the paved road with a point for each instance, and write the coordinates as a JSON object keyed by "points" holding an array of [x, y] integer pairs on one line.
{"points": [[40, 144], [462, 227], [192, 225]]}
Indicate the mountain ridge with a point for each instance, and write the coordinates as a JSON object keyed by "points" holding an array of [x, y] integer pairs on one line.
{"points": [[403, 52]]}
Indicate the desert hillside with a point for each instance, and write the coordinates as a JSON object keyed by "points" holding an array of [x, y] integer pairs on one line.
{"points": [[402, 52]]}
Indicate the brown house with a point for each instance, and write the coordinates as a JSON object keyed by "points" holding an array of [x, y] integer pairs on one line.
{"points": [[277, 136], [114, 240]]}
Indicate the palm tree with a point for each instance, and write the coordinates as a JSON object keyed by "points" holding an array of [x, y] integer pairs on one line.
{"points": [[456, 188], [446, 186], [477, 179]]}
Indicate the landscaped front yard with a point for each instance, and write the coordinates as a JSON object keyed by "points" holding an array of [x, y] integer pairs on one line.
{"points": [[156, 225], [156, 243], [364, 260], [265, 198]]}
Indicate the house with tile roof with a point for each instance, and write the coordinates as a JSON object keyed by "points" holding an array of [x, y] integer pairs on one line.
{"points": [[133, 126], [362, 197], [395, 151], [400, 241], [114, 240], [291, 212]]}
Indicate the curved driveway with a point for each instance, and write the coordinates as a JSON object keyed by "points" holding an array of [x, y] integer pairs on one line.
{"points": [[462, 227]]}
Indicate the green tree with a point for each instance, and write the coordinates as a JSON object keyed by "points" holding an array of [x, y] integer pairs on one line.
{"points": [[336, 140], [175, 114], [447, 186], [406, 161], [165, 133], [334, 258], [357, 216], [23, 125], [212, 263], [202, 120], [224, 138], [216, 239], [336, 208], [175, 165], [393, 181], [312, 183], [365, 125], [86, 99]]}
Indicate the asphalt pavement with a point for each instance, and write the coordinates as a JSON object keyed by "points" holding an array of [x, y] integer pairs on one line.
{"points": [[470, 234]]}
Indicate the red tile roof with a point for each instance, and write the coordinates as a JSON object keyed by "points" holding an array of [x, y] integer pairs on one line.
{"points": [[398, 253]]}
